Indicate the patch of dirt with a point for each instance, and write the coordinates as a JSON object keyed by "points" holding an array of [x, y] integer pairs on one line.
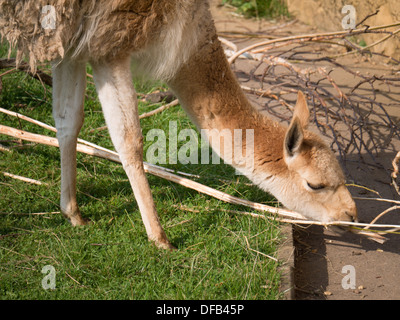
{"points": [[321, 254]]}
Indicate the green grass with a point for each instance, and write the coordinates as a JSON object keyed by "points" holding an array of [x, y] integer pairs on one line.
{"points": [[260, 8], [112, 258]]}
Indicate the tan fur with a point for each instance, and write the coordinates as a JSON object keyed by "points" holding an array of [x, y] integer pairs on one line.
{"points": [[176, 41], [20, 25], [103, 30], [211, 96]]}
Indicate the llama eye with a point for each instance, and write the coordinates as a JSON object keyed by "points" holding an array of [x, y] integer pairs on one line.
{"points": [[316, 187]]}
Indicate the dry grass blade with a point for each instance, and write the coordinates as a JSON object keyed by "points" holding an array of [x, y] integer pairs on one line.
{"points": [[369, 234]]}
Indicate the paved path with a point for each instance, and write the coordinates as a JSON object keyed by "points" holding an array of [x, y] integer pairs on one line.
{"points": [[325, 259]]}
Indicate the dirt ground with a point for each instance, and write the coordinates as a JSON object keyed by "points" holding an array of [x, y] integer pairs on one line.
{"points": [[321, 255]]}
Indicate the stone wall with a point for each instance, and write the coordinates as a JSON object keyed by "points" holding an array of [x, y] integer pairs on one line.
{"points": [[325, 15]]}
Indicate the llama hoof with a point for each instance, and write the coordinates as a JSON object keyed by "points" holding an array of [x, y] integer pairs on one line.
{"points": [[79, 221], [166, 245], [170, 247]]}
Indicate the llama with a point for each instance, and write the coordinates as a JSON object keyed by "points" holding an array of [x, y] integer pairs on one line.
{"points": [[175, 41]]}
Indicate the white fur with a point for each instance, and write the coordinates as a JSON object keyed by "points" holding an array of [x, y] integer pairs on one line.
{"points": [[167, 52]]}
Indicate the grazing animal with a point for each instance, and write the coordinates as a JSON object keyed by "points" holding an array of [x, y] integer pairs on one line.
{"points": [[175, 41]]}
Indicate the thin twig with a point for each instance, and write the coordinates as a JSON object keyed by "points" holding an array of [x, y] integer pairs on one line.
{"points": [[364, 49], [29, 180], [23, 66], [362, 187], [147, 114], [381, 215], [30, 214], [4, 148], [21, 116], [309, 37], [160, 109], [395, 172], [377, 199]]}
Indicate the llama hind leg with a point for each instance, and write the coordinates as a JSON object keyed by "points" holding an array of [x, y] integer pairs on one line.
{"points": [[119, 102], [69, 83]]}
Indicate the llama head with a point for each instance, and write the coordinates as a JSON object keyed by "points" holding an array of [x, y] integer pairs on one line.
{"points": [[315, 183]]}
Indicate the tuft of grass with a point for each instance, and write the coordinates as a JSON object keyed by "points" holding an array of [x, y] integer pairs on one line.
{"points": [[260, 8], [112, 258]]}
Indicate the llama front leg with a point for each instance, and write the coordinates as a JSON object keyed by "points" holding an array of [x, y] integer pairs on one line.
{"points": [[69, 83], [119, 102]]}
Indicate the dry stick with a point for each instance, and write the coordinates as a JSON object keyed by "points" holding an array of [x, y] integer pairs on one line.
{"points": [[51, 128], [228, 43], [31, 214], [29, 180], [4, 148], [148, 114], [160, 172], [21, 116], [382, 214], [8, 71], [363, 187], [309, 37], [381, 40], [372, 235], [160, 109], [154, 170], [260, 216], [364, 49], [93, 149], [45, 126], [377, 199]]}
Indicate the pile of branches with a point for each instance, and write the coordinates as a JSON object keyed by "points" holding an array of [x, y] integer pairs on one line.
{"points": [[357, 110]]}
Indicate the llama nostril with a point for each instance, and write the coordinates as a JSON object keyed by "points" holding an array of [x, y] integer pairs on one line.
{"points": [[352, 216]]}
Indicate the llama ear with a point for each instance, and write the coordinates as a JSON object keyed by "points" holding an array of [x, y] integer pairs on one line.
{"points": [[294, 138], [301, 110]]}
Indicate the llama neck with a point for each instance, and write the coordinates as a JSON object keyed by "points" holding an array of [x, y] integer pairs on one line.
{"points": [[208, 91], [213, 99]]}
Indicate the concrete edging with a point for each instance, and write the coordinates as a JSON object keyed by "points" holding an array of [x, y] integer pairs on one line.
{"points": [[286, 253]]}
